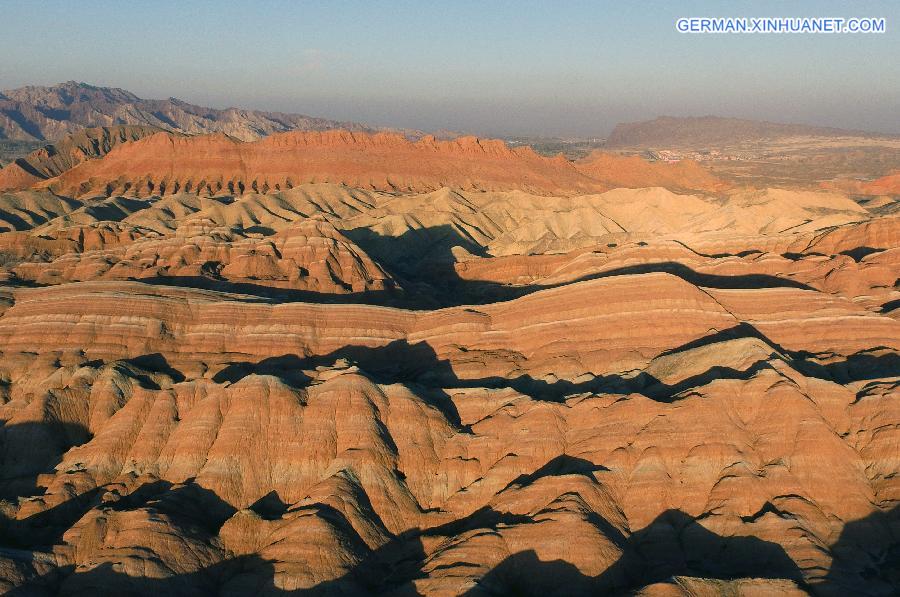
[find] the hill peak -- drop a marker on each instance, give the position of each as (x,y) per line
(49,113)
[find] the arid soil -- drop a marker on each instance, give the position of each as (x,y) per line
(348,364)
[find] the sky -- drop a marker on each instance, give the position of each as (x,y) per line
(563,68)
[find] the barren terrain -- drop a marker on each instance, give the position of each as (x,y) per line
(354,364)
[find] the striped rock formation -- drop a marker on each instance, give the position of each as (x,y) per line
(510,386)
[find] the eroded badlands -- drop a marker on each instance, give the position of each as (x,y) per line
(442,380)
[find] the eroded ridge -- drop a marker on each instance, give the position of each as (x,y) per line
(366,391)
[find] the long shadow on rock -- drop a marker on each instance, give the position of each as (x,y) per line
(674,544)
(397,362)
(525,574)
(117,209)
(400,560)
(643,383)
(425,255)
(866,557)
(17,222)
(422,261)
(288,368)
(245,575)
(741,330)
(418,366)
(186,503)
(157,363)
(28,450)
(745,281)
(561,465)
(860,366)
(864,366)
(46,528)
(418,252)
(197,512)
(270,506)
(194,508)
(860,253)
(273,294)
(390,568)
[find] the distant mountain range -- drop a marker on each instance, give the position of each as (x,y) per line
(36,113)
(714,131)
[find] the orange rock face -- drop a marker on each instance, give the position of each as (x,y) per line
(164,164)
(214,164)
(345,389)
(886,185)
(73,149)
(634,172)
(309,256)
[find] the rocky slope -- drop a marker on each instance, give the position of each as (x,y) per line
(52,160)
(347,391)
(50,113)
(420,236)
(885,185)
(220,164)
(213,164)
(633,172)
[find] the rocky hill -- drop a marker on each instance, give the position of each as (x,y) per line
(210,164)
(167,163)
(50,113)
(337,363)
(54,159)
(634,172)
(713,131)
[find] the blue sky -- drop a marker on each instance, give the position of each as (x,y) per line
(568,68)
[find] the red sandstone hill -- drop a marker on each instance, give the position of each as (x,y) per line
(634,172)
(53,160)
(886,185)
(164,164)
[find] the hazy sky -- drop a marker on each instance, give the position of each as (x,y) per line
(572,68)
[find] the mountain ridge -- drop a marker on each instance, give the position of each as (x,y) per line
(666,131)
(381,161)
(53,159)
(164,163)
(48,113)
